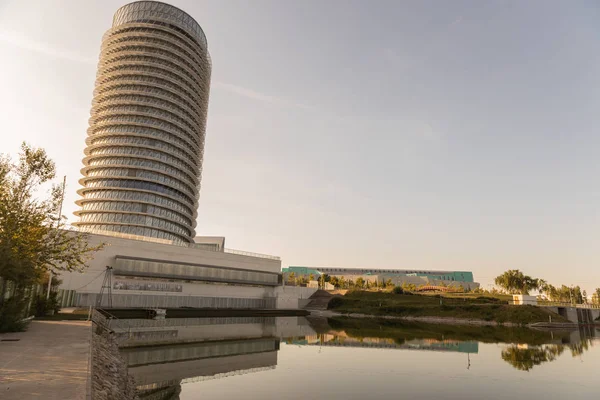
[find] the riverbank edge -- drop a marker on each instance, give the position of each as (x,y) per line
(146,313)
(450,320)
(109,376)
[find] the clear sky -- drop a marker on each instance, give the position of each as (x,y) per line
(406,134)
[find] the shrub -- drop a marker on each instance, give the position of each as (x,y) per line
(398,290)
(335,302)
(12,313)
(43,306)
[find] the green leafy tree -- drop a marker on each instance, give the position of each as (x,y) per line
(515,282)
(292,278)
(564,294)
(543,286)
(360,283)
(311,277)
(397,290)
(334,281)
(33,240)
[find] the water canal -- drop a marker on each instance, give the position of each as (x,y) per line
(299,358)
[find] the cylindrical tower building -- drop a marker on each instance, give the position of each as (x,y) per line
(143,159)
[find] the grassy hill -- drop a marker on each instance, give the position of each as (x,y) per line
(412,305)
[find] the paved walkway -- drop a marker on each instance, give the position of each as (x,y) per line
(50,361)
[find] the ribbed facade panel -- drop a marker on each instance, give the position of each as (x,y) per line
(143,160)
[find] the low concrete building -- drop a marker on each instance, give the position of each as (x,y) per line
(317,285)
(149,274)
(521,299)
(398,277)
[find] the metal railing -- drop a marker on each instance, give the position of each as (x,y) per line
(567,304)
(250,254)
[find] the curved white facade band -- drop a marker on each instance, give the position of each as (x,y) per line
(143,160)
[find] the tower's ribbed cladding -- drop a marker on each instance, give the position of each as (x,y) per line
(143,159)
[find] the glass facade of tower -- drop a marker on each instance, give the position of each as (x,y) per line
(143,159)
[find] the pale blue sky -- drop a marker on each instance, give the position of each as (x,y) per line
(406,134)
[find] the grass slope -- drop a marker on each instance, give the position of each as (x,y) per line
(482,308)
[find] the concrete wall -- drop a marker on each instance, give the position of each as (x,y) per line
(577,315)
(137,248)
(168,301)
(192,294)
(521,299)
(291,297)
(203,289)
(206,295)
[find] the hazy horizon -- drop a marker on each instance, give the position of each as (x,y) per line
(411,135)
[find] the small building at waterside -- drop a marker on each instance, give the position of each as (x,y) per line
(398,277)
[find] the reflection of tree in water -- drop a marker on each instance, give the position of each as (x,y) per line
(578,349)
(525,358)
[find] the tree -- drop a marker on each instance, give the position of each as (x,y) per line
(389,284)
(292,278)
(360,282)
(334,281)
(596,297)
(564,294)
(515,282)
(543,286)
(311,277)
(33,240)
